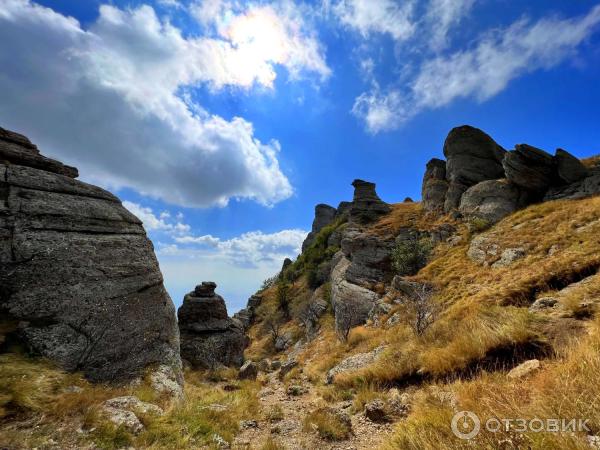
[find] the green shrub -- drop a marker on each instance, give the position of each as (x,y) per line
(410,255)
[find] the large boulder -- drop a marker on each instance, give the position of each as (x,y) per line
(492,200)
(472,156)
(324,215)
(354,363)
(78,273)
(435,186)
(209,338)
(370,256)
(366,206)
(530,168)
(569,168)
(351,303)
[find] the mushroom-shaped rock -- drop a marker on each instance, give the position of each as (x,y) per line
(208,336)
(366,206)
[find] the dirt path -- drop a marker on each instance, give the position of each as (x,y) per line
(287,414)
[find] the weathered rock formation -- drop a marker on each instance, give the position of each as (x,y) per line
(324,215)
(484,181)
(246,316)
(369,256)
(492,200)
(435,186)
(351,303)
(472,156)
(77,272)
(209,337)
(530,168)
(366,206)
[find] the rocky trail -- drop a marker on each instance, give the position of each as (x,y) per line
(282,420)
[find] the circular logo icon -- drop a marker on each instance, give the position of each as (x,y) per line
(465,425)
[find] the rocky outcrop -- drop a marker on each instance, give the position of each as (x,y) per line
(472,156)
(366,206)
(584,188)
(569,168)
(369,255)
(530,168)
(246,315)
(492,200)
(78,272)
(485,181)
(351,303)
(324,215)
(208,336)
(435,186)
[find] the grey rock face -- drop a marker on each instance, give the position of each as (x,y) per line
(492,200)
(324,215)
(248,371)
(435,186)
(354,362)
(370,256)
(366,207)
(78,272)
(351,303)
(472,156)
(343,209)
(569,168)
(530,168)
(584,188)
(208,336)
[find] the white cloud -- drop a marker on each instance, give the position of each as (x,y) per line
(116,100)
(157,223)
(479,72)
(441,16)
(238,265)
(248,249)
(380,112)
(377,16)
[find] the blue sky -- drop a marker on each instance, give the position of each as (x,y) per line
(221,123)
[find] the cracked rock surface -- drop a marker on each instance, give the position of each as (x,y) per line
(77,272)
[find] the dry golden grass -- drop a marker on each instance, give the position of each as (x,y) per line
(564,389)
(33,391)
(327,424)
(592,161)
(408,215)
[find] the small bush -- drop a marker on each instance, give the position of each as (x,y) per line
(477,224)
(410,255)
(329,423)
(274,414)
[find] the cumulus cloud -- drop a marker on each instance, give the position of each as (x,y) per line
(377,16)
(479,72)
(248,249)
(116,99)
(238,265)
(162,222)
